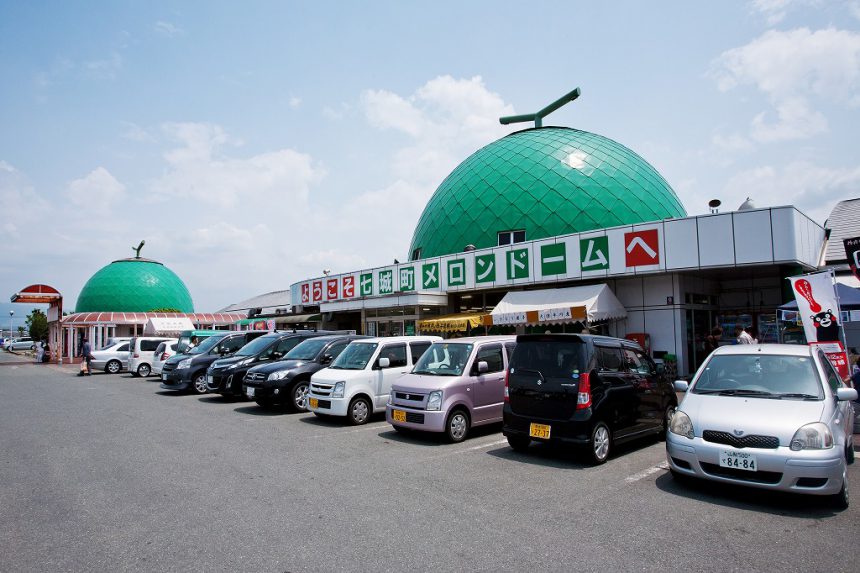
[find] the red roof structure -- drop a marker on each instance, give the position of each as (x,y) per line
(129,318)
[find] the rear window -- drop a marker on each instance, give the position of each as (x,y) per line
(149,344)
(553,359)
(760,375)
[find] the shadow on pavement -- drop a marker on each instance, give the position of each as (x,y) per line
(337,421)
(749,498)
(255,410)
(565,456)
(434,439)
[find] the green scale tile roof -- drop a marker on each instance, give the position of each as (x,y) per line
(549,181)
(134,285)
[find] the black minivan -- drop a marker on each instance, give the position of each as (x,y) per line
(590,391)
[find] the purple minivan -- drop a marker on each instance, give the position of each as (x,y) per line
(457,384)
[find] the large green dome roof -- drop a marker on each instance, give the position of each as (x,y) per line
(134,285)
(547,181)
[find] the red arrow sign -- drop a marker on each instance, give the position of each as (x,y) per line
(642,248)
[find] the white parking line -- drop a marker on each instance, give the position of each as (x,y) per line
(338,432)
(645,473)
(491,444)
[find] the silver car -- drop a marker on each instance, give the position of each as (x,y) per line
(24,343)
(770,416)
(111,358)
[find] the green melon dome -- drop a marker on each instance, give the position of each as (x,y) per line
(547,181)
(134,285)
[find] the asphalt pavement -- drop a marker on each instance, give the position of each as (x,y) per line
(108,473)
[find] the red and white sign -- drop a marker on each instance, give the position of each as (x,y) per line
(642,248)
(306,293)
(837,356)
(317,290)
(817,305)
(331,289)
(349,286)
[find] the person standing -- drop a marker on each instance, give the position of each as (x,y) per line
(742,336)
(86,354)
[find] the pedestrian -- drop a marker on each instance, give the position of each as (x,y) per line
(86,354)
(46,351)
(40,351)
(742,336)
(855,375)
(712,341)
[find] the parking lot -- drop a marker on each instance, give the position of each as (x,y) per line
(109,473)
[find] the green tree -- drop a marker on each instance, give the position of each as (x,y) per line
(20,331)
(37,323)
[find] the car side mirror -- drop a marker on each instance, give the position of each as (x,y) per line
(326,359)
(483,366)
(681,386)
(383,362)
(846,394)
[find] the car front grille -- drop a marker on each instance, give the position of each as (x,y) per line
(255,376)
(168,367)
(414,418)
(757,477)
(751,441)
(321,389)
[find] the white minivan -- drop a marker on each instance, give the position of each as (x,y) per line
(359,380)
(140,349)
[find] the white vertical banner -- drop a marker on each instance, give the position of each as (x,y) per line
(818,306)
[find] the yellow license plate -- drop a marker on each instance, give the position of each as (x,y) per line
(539,431)
(398,415)
(314,403)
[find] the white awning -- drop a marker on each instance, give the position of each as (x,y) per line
(592,303)
(162,325)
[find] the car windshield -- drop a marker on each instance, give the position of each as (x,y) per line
(206,345)
(258,345)
(444,359)
(760,376)
(355,356)
(307,350)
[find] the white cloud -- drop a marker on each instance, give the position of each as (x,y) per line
(794,69)
(732,143)
(106,68)
(295,102)
(814,189)
(134,132)
(168,29)
(97,192)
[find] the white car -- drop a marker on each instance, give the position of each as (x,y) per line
(164,351)
(769,416)
(24,343)
(140,349)
(359,380)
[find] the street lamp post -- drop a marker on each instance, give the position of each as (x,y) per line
(11,314)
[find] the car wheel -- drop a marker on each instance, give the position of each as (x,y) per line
(519,443)
(840,500)
(667,419)
(299,397)
(113,366)
(143,370)
(359,411)
(33,347)
(600,443)
(200,384)
(457,426)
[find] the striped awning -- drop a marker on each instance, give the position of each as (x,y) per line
(451,322)
(130,318)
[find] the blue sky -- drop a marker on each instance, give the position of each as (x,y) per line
(254,144)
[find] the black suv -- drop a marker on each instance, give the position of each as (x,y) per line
(188,371)
(225,376)
(285,382)
(591,391)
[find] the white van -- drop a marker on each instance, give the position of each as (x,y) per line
(140,349)
(359,380)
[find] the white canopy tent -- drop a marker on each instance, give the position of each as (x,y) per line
(157,325)
(591,303)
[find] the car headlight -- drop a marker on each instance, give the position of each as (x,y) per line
(681,425)
(815,436)
(434,401)
(279,375)
(183,364)
(337,391)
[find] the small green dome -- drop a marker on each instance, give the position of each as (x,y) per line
(547,181)
(134,285)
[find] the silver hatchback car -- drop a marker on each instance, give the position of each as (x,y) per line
(770,416)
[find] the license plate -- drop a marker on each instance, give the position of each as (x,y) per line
(738,460)
(539,431)
(164,376)
(398,415)
(249,392)
(313,402)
